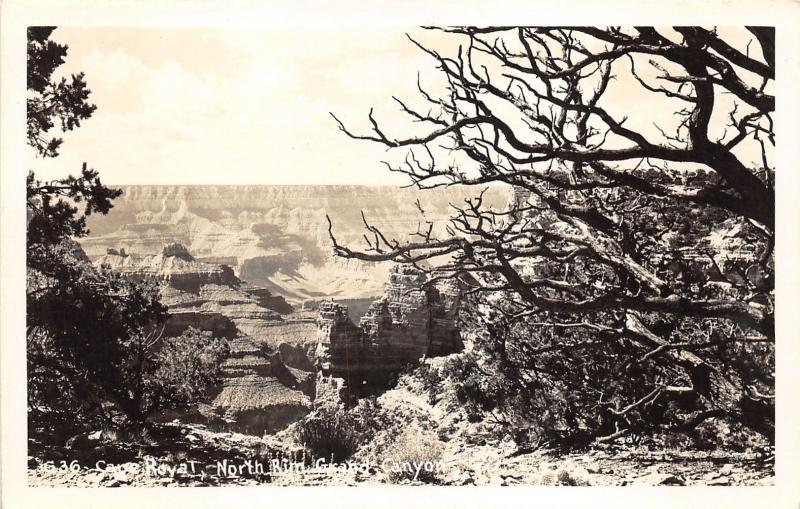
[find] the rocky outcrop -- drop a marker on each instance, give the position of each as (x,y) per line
(173,265)
(202,295)
(410,322)
(260,392)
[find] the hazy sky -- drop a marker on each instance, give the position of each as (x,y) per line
(251,106)
(227,106)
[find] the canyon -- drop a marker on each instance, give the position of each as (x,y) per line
(276,237)
(281,360)
(260,392)
(255,265)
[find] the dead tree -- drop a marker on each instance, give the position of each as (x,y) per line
(658,239)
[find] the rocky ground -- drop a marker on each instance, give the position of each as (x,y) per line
(462,452)
(198,457)
(468,453)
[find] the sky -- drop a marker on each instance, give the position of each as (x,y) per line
(233,106)
(246,106)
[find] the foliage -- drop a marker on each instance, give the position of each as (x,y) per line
(330,433)
(629,286)
(79,320)
(49,101)
(335,432)
(185,367)
(171,373)
(414,455)
(94,348)
(53,213)
(565,387)
(52,219)
(717,434)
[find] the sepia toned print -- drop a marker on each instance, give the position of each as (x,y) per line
(528,256)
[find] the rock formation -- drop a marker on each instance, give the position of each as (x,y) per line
(276,239)
(409,322)
(203,295)
(274,236)
(260,393)
(173,264)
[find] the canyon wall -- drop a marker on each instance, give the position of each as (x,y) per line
(281,362)
(276,237)
(260,393)
(409,322)
(230,257)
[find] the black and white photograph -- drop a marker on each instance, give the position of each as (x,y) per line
(463,255)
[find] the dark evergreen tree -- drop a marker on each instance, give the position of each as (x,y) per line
(94,349)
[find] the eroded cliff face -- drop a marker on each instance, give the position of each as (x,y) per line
(260,393)
(172,264)
(198,294)
(275,236)
(409,322)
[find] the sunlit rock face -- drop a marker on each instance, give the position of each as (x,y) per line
(260,393)
(409,322)
(173,264)
(198,294)
(276,237)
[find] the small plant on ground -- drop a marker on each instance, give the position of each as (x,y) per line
(329,433)
(565,474)
(415,456)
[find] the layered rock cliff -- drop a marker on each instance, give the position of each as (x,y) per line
(275,236)
(172,264)
(260,393)
(203,295)
(409,322)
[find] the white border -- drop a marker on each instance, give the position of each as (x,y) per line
(15,15)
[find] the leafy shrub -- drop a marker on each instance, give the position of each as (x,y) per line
(415,456)
(329,433)
(476,392)
(431,379)
(731,436)
(565,387)
(184,368)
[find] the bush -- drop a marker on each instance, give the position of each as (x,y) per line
(476,392)
(431,380)
(185,368)
(329,433)
(729,436)
(415,456)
